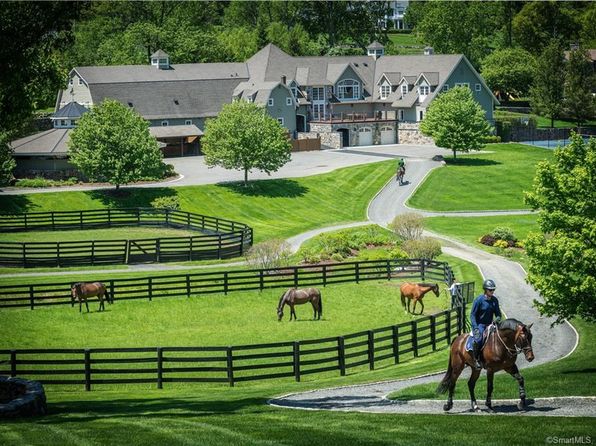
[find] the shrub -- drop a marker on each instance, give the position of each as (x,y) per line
(503,233)
(398,253)
(423,248)
(171,202)
(487,240)
(501,244)
(337,257)
(408,226)
(269,254)
(492,139)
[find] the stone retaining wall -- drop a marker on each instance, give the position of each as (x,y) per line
(21,398)
(409,133)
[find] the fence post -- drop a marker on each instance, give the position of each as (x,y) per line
(150,288)
(188,285)
(109,217)
(371,350)
(230,366)
(448,326)
(13,363)
(415,338)
(219,246)
(423,269)
(53,222)
(188,220)
(159,368)
(24,255)
(26,221)
(92,252)
(138,217)
(112,291)
(58,253)
(341,355)
(433,333)
(295,277)
(388,269)
(225,282)
(261,280)
(167,217)
(81,219)
(324,275)
(395,336)
(31,297)
(357,272)
(297,360)
(87,369)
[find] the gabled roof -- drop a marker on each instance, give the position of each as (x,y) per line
(71,110)
(407,101)
(159,54)
(432,78)
(393,78)
(375,46)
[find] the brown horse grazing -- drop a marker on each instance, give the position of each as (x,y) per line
(500,350)
(83,290)
(415,292)
(295,296)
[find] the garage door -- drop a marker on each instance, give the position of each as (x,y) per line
(387,135)
(365,136)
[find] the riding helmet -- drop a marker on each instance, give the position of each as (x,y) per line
(489,284)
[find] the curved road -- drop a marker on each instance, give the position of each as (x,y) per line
(515,296)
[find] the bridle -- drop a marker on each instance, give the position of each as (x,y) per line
(518,349)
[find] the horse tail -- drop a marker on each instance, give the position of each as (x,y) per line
(446,382)
(403,300)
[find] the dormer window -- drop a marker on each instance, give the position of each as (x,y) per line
(424,90)
(385,91)
(404,89)
(348,89)
(164,123)
(71,82)
(80,81)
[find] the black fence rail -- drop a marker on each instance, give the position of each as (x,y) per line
(59,293)
(293,359)
(218,238)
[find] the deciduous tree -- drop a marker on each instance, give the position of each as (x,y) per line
(7,162)
(509,71)
(112,143)
(245,137)
(563,255)
(546,95)
(456,121)
(580,80)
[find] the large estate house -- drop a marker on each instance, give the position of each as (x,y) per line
(344,100)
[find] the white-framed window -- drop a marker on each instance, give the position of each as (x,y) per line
(80,81)
(63,123)
(348,89)
(446,87)
(270,102)
(462,84)
(318,111)
(404,89)
(164,123)
(154,61)
(281,121)
(188,122)
(478,87)
(73,122)
(424,90)
(385,91)
(163,61)
(288,101)
(421,115)
(71,82)
(294,91)
(318,94)
(401,115)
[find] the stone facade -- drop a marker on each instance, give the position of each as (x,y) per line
(331,132)
(409,133)
(330,139)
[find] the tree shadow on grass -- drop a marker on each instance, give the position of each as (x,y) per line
(267,188)
(147,407)
(14,204)
(130,197)
(470,162)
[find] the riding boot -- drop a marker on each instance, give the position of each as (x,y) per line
(476,355)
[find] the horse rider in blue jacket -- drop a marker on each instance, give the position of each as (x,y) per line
(484,308)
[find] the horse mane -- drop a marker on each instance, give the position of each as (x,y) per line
(282,297)
(427,284)
(509,324)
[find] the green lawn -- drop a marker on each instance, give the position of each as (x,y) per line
(124,233)
(541,121)
(469,229)
(273,208)
(492,180)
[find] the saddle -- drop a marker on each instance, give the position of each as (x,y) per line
(470,341)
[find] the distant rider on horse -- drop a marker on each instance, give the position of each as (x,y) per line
(484,308)
(401,170)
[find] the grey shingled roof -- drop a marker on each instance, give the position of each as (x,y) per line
(49,142)
(160,53)
(393,78)
(157,100)
(375,46)
(71,110)
(407,101)
(173,131)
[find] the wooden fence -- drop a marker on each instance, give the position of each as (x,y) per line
(159,365)
(26,295)
(219,238)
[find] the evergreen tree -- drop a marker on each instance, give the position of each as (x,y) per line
(580,103)
(546,95)
(7,162)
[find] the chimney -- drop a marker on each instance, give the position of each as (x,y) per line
(283,79)
(429,51)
